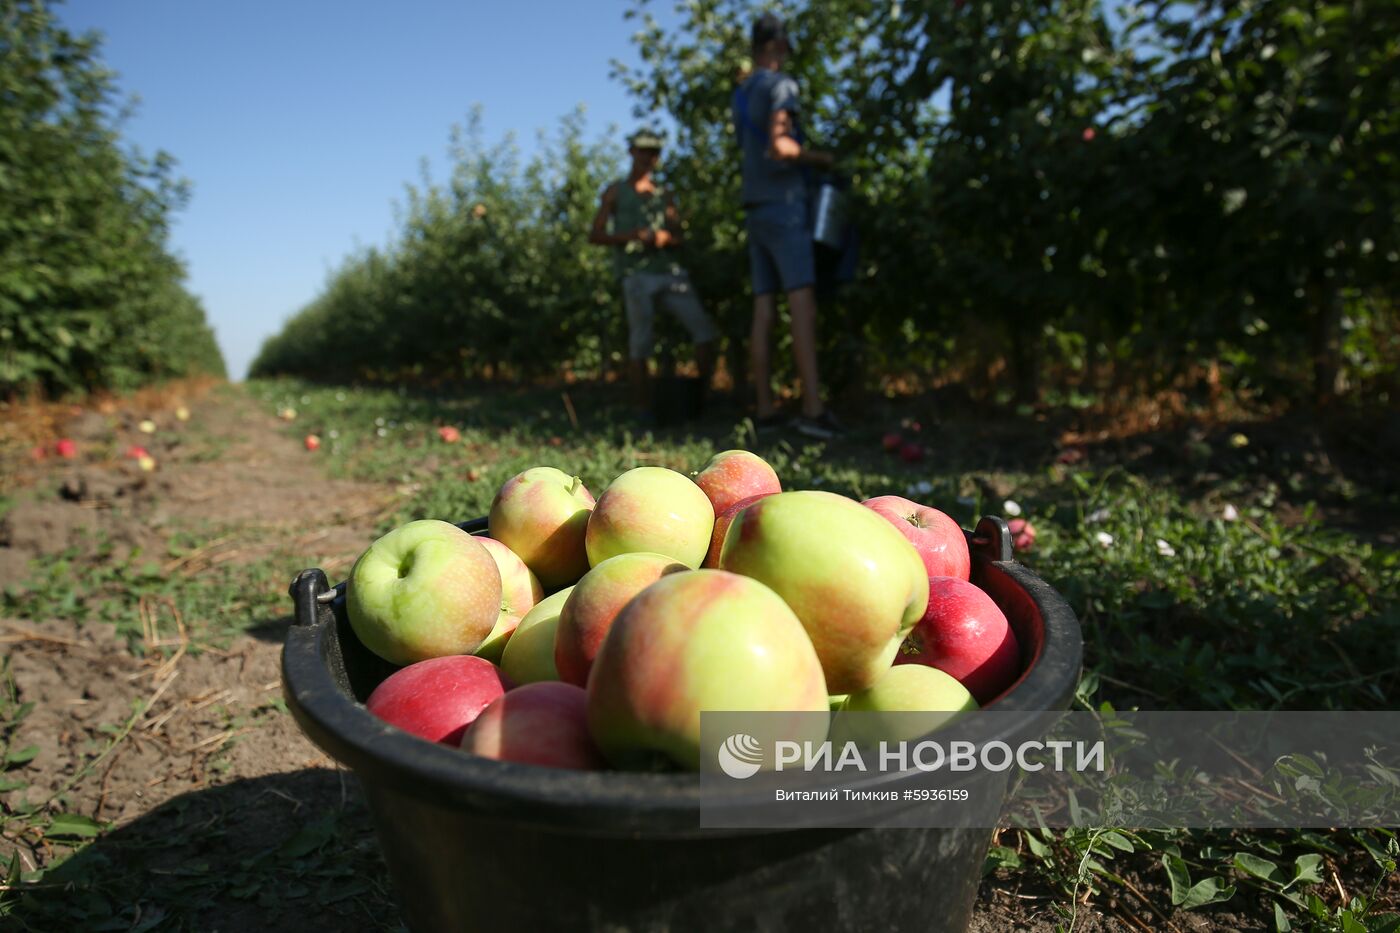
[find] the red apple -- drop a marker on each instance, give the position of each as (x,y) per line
(1089,134)
(1022,534)
(66,449)
(912,453)
(965,634)
(449,434)
(136,452)
(595,602)
(941,544)
(437,699)
(695,641)
(543,724)
(722,522)
(892,442)
(734,475)
(312,442)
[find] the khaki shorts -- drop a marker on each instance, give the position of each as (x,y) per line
(643,291)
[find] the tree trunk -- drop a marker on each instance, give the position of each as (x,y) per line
(1326,341)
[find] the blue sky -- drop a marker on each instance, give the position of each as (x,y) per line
(299,123)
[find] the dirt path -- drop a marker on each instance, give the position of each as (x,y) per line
(184,747)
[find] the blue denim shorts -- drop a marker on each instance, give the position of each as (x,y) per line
(780,247)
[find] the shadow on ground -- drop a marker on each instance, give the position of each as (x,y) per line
(291,852)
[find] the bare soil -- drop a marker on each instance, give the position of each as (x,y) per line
(212,734)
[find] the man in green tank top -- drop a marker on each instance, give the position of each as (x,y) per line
(641,220)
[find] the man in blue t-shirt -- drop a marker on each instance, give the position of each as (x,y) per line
(767,120)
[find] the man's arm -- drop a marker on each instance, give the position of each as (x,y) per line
(784,148)
(671,235)
(599,232)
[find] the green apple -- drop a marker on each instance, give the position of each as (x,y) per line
(904,690)
(651,509)
(694,641)
(424,590)
(529,655)
(856,583)
(520,590)
(595,603)
(541,515)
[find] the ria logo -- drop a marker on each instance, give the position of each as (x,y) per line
(740,756)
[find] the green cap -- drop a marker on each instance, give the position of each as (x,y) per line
(645,139)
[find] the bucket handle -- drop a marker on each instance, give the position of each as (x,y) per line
(991,540)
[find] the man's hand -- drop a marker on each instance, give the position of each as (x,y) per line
(657,239)
(784,148)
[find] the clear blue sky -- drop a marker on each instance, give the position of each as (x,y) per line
(299,123)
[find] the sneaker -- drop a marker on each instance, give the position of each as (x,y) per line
(823,427)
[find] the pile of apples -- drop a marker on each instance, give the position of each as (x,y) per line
(592,634)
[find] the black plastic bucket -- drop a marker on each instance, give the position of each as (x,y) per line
(477,844)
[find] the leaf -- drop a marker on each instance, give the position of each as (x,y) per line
(1189,896)
(1258,867)
(1118,841)
(73,824)
(309,838)
(1281,923)
(1305,870)
(1000,857)
(1210,890)
(1179,876)
(23,755)
(1038,848)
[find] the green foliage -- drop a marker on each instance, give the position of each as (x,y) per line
(90,296)
(1168,183)
(1125,192)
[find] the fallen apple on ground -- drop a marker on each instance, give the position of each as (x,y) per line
(651,509)
(966,635)
(1022,534)
(438,698)
(939,539)
(543,724)
(312,442)
(424,590)
(695,641)
(856,583)
(66,449)
(542,515)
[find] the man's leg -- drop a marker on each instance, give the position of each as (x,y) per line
(637,378)
(705,362)
(802,304)
(638,300)
(765,309)
(682,301)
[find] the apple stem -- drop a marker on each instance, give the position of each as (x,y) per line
(573,487)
